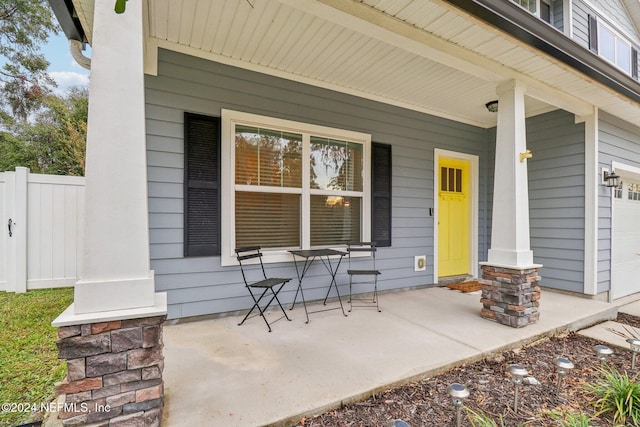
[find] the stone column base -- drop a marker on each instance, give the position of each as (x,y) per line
(510,296)
(114,373)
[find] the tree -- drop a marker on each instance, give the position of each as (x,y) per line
(53,141)
(24,27)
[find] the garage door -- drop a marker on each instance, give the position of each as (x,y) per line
(625,250)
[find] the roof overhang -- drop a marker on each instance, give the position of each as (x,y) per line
(68,19)
(520,24)
(439,57)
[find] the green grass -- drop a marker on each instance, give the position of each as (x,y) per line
(570,419)
(29,365)
(480,419)
(618,394)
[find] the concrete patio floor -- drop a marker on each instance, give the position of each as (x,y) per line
(220,374)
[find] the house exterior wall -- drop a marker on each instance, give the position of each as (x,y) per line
(198,286)
(618,141)
(580,22)
(556,198)
(616,14)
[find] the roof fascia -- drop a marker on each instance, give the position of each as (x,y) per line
(528,29)
(68,20)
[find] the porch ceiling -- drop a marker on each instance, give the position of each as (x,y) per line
(425,55)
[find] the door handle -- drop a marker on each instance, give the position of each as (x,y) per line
(10,225)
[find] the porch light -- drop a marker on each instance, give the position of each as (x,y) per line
(564,365)
(517,376)
(634,343)
(458,393)
(610,179)
(602,352)
(492,106)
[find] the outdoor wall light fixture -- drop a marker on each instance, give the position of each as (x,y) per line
(634,343)
(602,352)
(564,365)
(492,106)
(610,179)
(458,393)
(517,376)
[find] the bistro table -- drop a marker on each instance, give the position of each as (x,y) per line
(310,255)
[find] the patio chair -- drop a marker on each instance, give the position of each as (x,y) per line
(264,284)
(369,275)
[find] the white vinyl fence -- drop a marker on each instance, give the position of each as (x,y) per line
(40,240)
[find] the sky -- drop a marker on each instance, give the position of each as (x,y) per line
(63,68)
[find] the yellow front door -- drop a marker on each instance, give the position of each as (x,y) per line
(453,217)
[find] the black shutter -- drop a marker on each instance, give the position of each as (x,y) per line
(201,185)
(381,194)
(593,33)
(634,63)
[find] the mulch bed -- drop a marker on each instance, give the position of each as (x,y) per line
(426,403)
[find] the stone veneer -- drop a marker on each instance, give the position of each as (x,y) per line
(510,296)
(114,373)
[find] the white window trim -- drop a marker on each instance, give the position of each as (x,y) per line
(537,12)
(619,27)
(229,119)
(618,35)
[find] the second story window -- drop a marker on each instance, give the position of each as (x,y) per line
(540,8)
(612,46)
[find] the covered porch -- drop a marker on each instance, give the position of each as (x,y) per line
(218,373)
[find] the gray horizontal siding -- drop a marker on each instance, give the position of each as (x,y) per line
(580,22)
(198,286)
(617,16)
(556,198)
(612,12)
(618,141)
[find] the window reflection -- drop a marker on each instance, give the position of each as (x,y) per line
(268,157)
(335,165)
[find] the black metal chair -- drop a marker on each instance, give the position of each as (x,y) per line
(370,274)
(273,284)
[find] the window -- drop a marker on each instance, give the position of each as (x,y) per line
(633,191)
(530,5)
(617,192)
(290,185)
(539,8)
(612,46)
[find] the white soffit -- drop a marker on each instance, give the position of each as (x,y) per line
(84,8)
(417,54)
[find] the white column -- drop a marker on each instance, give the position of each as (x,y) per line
(116,271)
(510,224)
(591,186)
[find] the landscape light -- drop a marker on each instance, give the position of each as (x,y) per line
(517,376)
(634,343)
(564,365)
(602,352)
(458,393)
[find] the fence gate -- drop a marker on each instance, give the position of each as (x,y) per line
(40,240)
